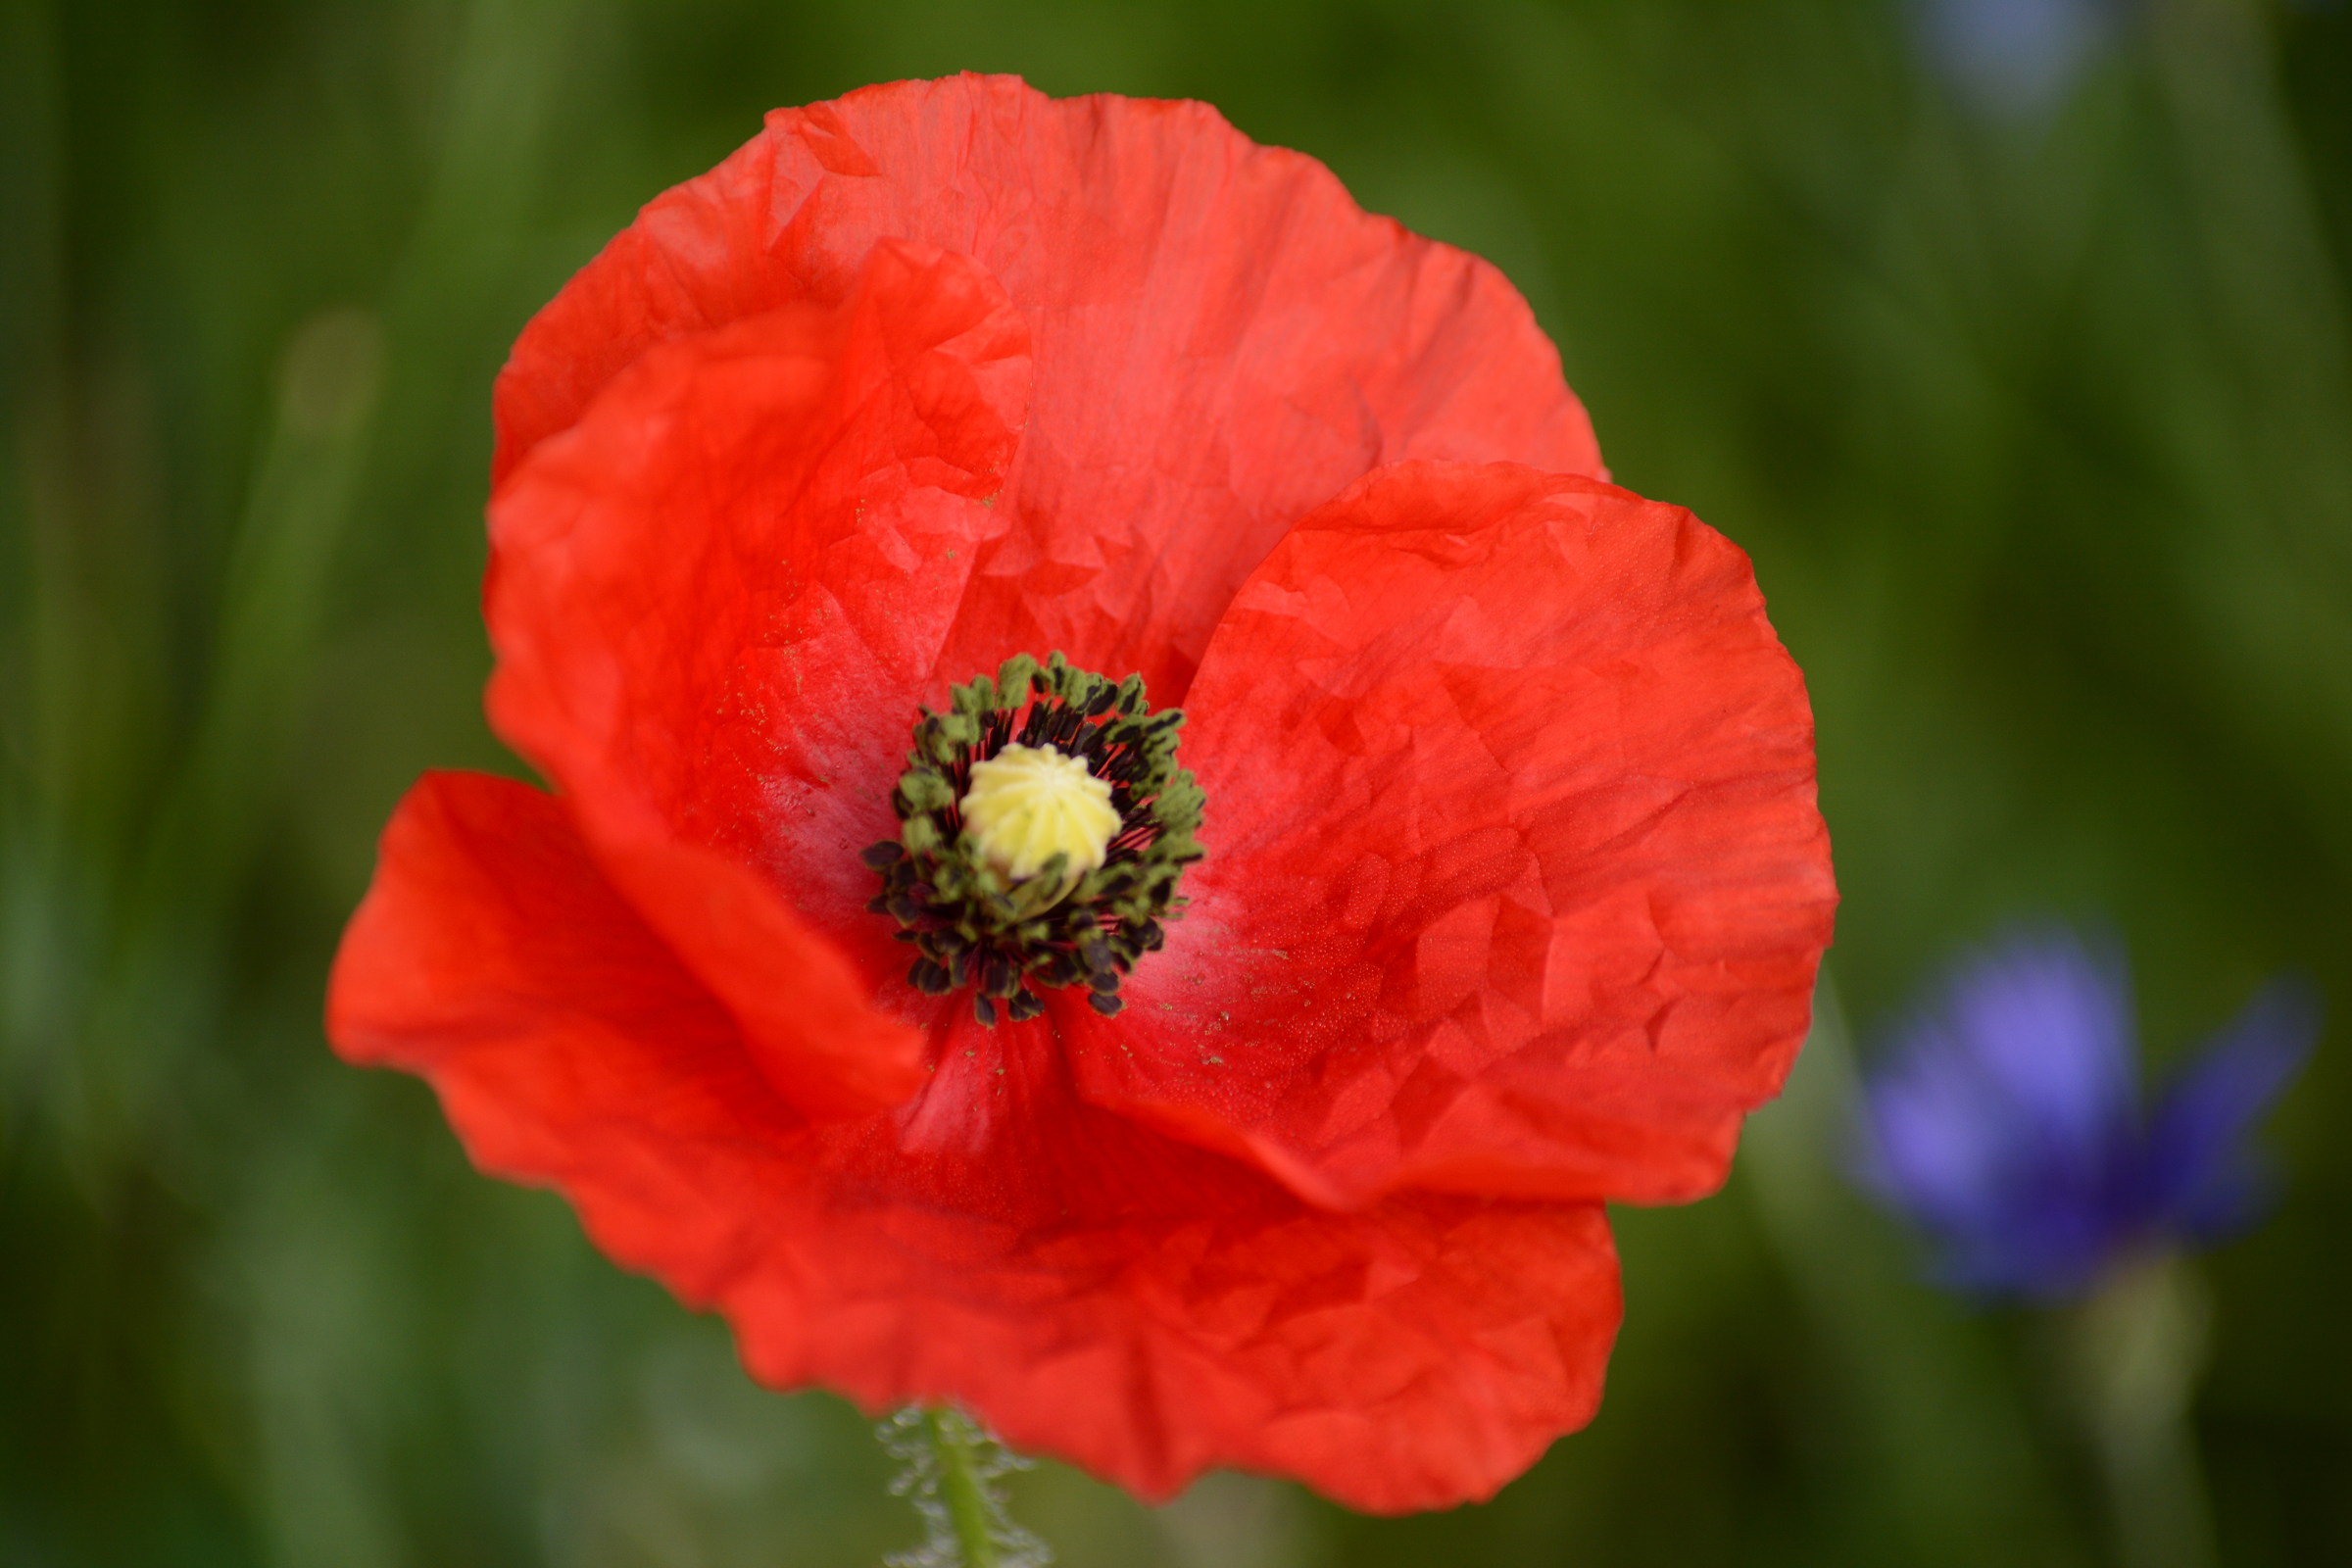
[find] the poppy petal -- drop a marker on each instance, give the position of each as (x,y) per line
(492,957)
(1132,1304)
(1514,878)
(704,593)
(1223,338)
(1148,1310)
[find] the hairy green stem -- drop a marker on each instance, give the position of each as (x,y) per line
(961,1488)
(952,1468)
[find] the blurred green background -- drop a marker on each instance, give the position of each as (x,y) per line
(2014,350)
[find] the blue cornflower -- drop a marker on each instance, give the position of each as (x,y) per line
(2007,1123)
(2016,56)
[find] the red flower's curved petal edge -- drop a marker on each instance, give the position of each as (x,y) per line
(1092,1289)
(1516,882)
(704,592)
(487,925)
(1223,338)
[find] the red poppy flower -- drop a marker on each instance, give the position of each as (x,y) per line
(1513,886)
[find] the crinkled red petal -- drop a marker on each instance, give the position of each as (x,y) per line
(1516,882)
(1223,339)
(1092,1289)
(717,600)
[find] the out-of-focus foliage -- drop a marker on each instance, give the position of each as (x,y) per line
(2033,403)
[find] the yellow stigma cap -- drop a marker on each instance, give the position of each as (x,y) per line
(1028,804)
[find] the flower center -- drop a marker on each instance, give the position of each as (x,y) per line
(1031,804)
(1044,828)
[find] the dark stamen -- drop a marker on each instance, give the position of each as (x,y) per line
(970,923)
